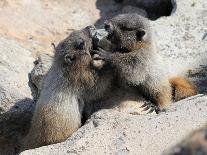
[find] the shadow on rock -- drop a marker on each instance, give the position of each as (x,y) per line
(14,125)
(152,9)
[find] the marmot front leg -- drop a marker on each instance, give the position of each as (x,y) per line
(103,55)
(159,93)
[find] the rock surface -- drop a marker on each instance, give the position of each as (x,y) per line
(181,37)
(38,23)
(195,143)
(41,67)
(111,132)
(15,63)
(15,95)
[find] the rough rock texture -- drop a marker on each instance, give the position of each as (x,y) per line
(182,39)
(15,95)
(14,125)
(15,63)
(194,144)
(111,132)
(42,65)
(38,23)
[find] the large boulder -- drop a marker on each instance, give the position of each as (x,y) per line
(194,143)
(112,132)
(41,67)
(15,95)
(37,23)
(15,63)
(181,37)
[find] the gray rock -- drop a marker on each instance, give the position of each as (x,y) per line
(15,96)
(180,39)
(112,132)
(15,63)
(195,143)
(42,65)
(14,125)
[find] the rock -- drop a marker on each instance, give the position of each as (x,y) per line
(15,95)
(14,125)
(195,143)
(154,8)
(37,23)
(42,65)
(179,39)
(112,132)
(15,63)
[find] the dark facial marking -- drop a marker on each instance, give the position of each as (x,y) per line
(69,58)
(108,26)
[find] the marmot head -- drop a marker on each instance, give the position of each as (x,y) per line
(128,32)
(75,49)
(72,57)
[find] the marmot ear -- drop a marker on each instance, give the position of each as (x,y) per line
(108,25)
(54,47)
(140,34)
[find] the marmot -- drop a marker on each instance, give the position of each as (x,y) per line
(135,59)
(71,82)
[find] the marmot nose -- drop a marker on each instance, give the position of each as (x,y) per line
(69,58)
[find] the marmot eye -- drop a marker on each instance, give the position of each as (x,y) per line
(140,34)
(108,25)
(109,36)
(69,58)
(81,45)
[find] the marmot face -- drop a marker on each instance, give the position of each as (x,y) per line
(72,56)
(128,32)
(74,50)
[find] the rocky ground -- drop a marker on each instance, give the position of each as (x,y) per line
(27,29)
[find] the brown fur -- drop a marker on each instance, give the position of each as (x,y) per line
(182,88)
